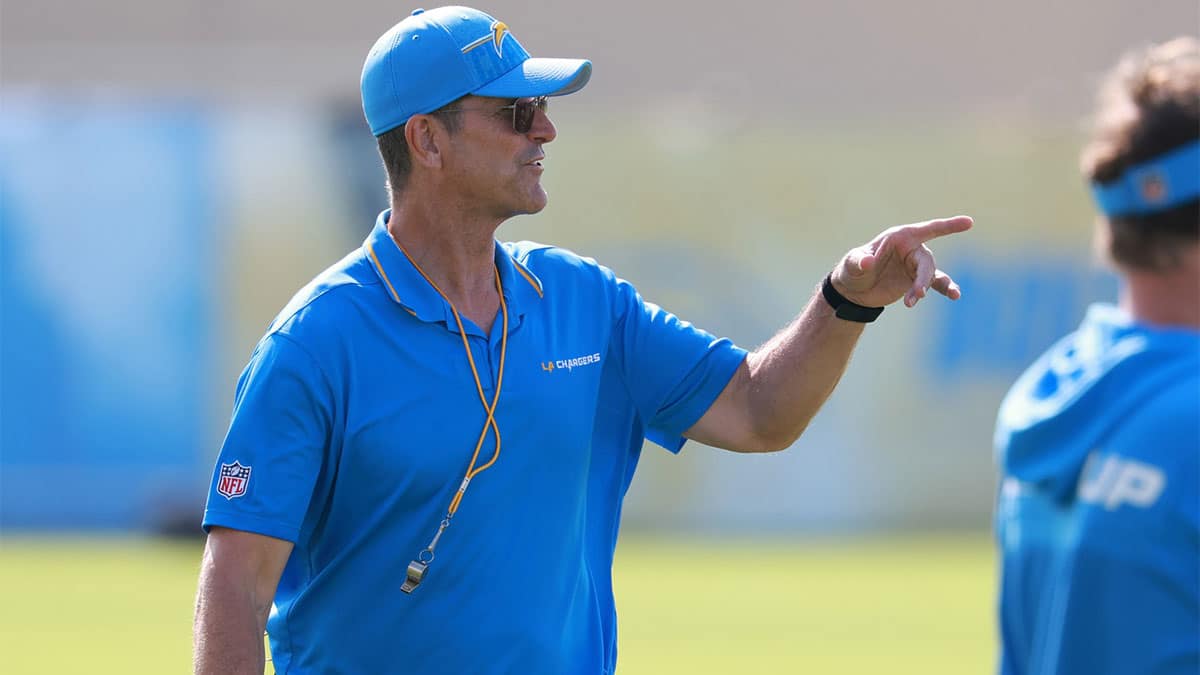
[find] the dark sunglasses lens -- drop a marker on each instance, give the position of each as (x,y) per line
(524,110)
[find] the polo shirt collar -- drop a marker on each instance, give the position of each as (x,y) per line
(408,288)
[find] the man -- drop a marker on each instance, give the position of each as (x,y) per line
(1098,520)
(430,446)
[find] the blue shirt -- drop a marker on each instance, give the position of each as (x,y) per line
(1098,517)
(355,421)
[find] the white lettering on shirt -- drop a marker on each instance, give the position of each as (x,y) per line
(1111,480)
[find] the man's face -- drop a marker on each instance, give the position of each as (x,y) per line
(494,167)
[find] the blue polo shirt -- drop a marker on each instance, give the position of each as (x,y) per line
(354,423)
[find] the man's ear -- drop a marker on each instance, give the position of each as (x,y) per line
(426,140)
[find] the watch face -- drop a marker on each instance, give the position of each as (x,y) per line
(843,308)
(852,312)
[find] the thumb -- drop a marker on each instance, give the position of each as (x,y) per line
(858,262)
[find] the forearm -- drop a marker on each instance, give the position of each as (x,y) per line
(794,372)
(773,396)
(228,631)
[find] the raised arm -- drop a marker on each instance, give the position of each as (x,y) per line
(778,389)
(237,586)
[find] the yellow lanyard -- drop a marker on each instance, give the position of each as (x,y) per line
(416,569)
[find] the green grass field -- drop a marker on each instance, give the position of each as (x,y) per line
(912,604)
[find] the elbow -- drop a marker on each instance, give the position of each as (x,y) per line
(779,443)
(776,438)
(768,446)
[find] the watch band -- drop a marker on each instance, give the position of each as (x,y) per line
(843,308)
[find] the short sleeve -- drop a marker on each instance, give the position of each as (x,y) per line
(276,444)
(674,371)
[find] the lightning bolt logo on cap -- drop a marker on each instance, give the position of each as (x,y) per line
(496,36)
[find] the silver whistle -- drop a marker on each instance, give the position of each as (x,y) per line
(416,572)
(416,568)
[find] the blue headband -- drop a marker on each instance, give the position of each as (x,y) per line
(1162,183)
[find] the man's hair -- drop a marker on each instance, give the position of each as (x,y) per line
(1148,106)
(393,148)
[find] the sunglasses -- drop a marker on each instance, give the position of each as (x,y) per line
(523,111)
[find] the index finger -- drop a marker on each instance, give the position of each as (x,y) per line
(932,229)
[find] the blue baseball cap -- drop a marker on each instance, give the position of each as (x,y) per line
(434,57)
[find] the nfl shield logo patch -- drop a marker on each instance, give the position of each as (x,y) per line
(1154,188)
(233,480)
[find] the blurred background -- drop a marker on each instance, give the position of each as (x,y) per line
(171,172)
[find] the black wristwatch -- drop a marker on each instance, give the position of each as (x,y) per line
(843,308)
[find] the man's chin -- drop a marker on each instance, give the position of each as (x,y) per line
(534,204)
(534,201)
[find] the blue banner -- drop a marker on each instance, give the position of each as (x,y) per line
(107,239)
